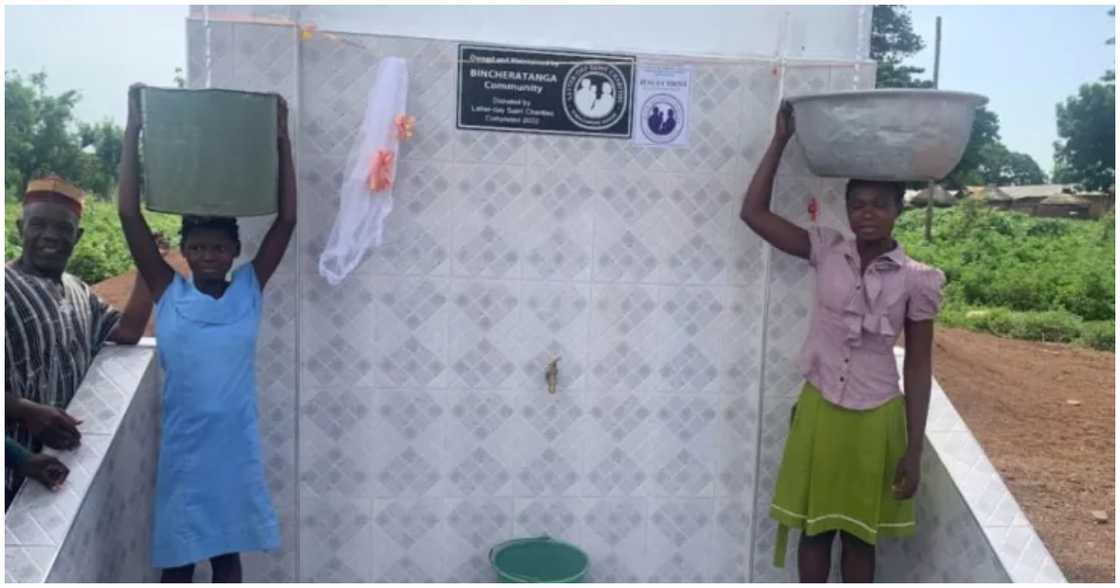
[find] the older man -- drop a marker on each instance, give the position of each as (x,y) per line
(55,323)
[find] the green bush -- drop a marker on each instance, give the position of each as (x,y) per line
(1055,326)
(102,252)
(1042,279)
(1099,335)
(1049,228)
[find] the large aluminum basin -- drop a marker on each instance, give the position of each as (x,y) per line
(899,135)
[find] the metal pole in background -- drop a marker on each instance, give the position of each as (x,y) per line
(932,185)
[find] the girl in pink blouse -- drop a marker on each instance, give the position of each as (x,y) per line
(852,460)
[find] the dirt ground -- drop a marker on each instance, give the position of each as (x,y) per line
(1057,457)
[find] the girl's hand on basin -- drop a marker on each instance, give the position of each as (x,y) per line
(784,127)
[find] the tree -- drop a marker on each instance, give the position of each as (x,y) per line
(103,142)
(1020,170)
(1003,167)
(42,137)
(984,138)
(893,40)
(1086,151)
(38,139)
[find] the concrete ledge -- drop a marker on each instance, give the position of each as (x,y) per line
(1021,553)
(97,527)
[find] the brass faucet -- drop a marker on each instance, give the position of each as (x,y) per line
(552,375)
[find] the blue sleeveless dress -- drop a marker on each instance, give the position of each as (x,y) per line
(211,494)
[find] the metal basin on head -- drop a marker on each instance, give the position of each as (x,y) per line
(895,135)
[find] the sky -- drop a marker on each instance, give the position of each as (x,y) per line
(1025,59)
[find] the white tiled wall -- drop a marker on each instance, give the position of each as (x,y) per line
(407,420)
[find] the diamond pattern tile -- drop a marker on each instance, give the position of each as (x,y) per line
(685,417)
(478,522)
(615,521)
(102,403)
(676,571)
(554,419)
(558,256)
(622,366)
(486,253)
(408,535)
(479,474)
(732,537)
(689,370)
(336,412)
(412,415)
(490,191)
(684,475)
(558,518)
(697,261)
(625,259)
(713,200)
(27,564)
(413,304)
(556,308)
(411,364)
(621,417)
(612,569)
(558,150)
(407,523)
(334,471)
(407,570)
(481,414)
(489,147)
(561,194)
(549,474)
(741,353)
(484,365)
(631,200)
(624,310)
(692,310)
(336,539)
(615,474)
(409,247)
(486,304)
(680,531)
(336,79)
(408,473)
(336,361)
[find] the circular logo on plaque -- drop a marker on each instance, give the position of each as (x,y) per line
(595,96)
(662,118)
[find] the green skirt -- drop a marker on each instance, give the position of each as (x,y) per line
(837,472)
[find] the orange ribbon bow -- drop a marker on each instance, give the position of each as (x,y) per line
(404,124)
(380,171)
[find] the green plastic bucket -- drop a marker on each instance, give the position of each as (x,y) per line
(539,560)
(209,152)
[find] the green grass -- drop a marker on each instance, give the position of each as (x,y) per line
(101,253)
(1018,276)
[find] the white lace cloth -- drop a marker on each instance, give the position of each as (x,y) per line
(361,211)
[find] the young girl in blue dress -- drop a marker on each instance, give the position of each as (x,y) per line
(212,500)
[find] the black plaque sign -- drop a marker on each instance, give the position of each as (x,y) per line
(553,92)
